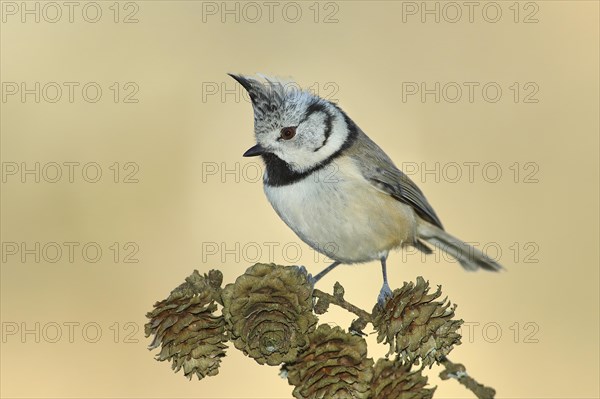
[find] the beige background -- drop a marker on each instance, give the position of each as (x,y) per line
(177,132)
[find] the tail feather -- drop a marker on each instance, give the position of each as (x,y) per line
(468,256)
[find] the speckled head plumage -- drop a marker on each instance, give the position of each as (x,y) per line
(318,128)
(269,100)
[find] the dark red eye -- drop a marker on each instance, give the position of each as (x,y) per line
(287,133)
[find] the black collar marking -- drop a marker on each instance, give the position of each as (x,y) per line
(279,173)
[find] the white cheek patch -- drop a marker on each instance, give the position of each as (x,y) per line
(316,148)
(313,131)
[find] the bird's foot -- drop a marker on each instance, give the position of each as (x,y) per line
(311,280)
(301,269)
(309,277)
(384,294)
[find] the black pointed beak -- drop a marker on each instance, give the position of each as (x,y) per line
(255,151)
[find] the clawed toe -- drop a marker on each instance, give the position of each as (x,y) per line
(311,280)
(384,294)
(309,277)
(301,269)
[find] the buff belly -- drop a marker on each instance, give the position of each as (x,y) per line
(343,216)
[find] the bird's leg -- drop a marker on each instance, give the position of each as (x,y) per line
(385,288)
(324,272)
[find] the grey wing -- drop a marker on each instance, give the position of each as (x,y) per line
(380,171)
(403,189)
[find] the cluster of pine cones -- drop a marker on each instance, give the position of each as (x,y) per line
(268,313)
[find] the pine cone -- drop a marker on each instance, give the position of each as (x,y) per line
(394,380)
(192,337)
(269,312)
(335,365)
(415,326)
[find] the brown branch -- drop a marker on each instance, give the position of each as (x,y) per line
(341,302)
(458,371)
